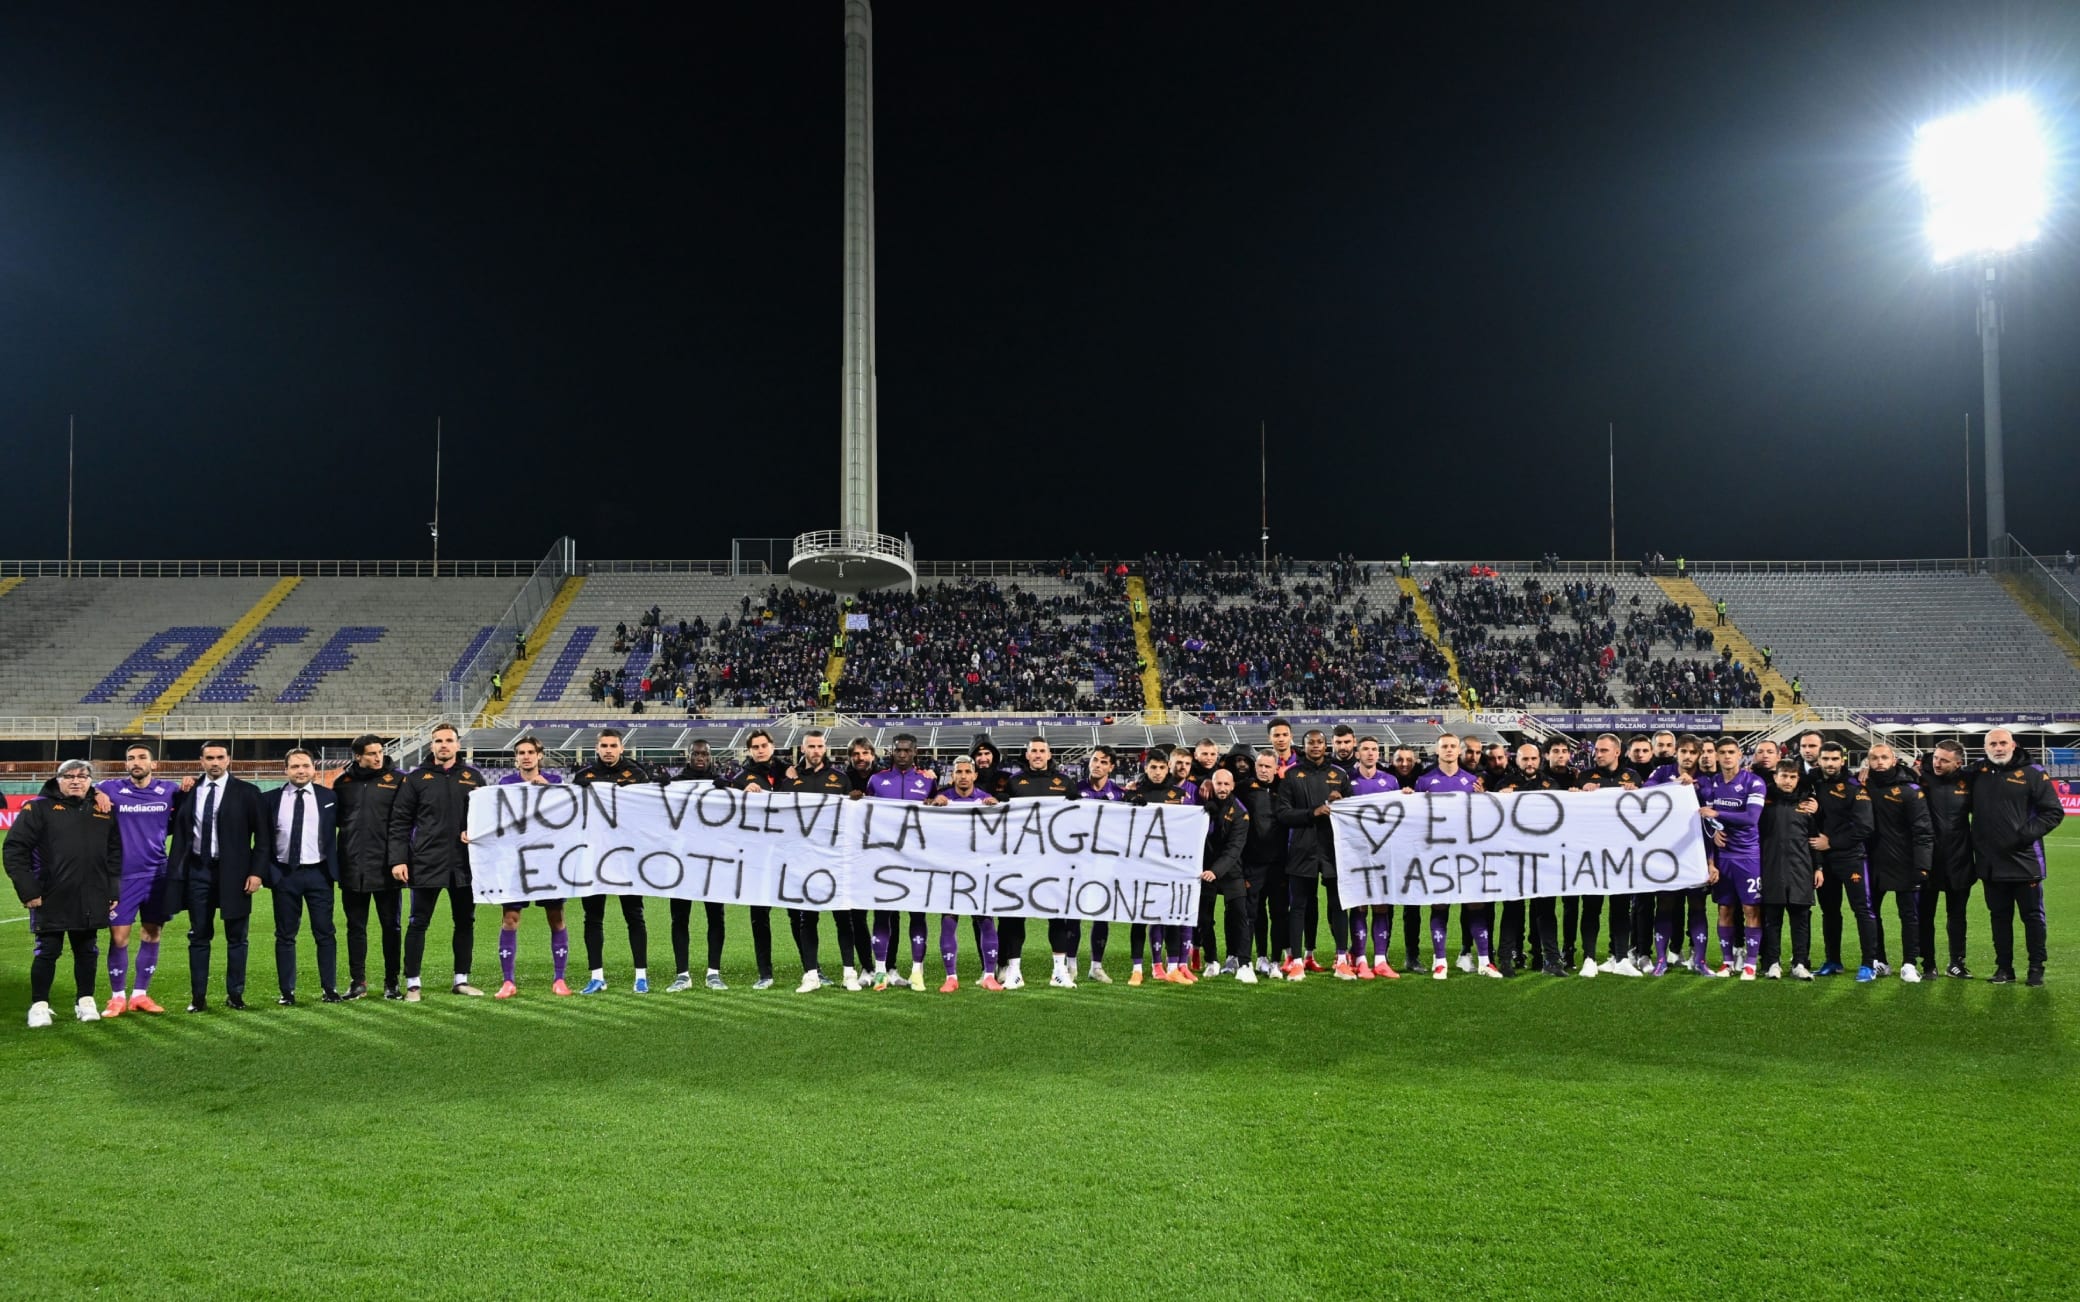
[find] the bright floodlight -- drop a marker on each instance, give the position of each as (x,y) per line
(1984,172)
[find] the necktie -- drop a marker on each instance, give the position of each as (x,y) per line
(206,837)
(295,856)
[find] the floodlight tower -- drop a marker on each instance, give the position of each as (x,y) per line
(1984,172)
(857,555)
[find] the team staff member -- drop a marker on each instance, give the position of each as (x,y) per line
(1529,775)
(700,768)
(1845,824)
(1607,770)
(1264,864)
(1301,805)
(429,851)
(2014,807)
(612,767)
(764,771)
(815,774)
(1788,875)
(1900,845)
(1040,780)
(366,790)
(1950,869)
(64,856)
(1227,838)
(214,859)
(300,862)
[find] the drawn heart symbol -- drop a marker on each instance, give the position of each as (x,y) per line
(1388,816)
(1634,808)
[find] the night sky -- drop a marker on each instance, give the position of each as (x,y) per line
(258,250)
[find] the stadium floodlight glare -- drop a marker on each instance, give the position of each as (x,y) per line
(1985,175)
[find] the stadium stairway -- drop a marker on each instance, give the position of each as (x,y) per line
(9,585)
(1426,619)
(1145,646)
(1685,592)
(834,668)
(206,664)
(537,642)
(2024,598)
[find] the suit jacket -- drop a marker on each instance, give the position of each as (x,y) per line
(325,810)
(238,821)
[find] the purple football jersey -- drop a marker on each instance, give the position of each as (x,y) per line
(143,814)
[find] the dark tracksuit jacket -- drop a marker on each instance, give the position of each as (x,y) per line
(1845,820)
(1787,851)
(1902,837)
(2014,807)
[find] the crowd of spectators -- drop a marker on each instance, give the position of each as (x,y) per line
(772,656)
(1171,576)
(973,645)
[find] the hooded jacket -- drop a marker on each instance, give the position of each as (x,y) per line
(1227,837)
(69,854)
(1902,838)
(1787,851)
(1845,820)
(1305,788)
(1949,804)
(365,798)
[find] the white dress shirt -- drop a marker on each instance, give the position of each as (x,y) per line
(206,838)
(285,818)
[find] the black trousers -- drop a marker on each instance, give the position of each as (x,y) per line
(1957,902)
(682,935)
(1062,935)
(855,938)
(389,921)
(1237,913)
(1646,907)
(43,967)
(1302,902)
(204,904)
(1509,936)
(2003,901)
(301,889)
(1545,930)
(1415,923)
(1202,930)
(461,910)
(1773,916)
(1583,918)
(804,923)
(1835,883)
(596,930)
(1907,905)
(1621,924)
(1011,938)
(1267,911)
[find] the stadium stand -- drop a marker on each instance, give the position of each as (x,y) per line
(1947,640)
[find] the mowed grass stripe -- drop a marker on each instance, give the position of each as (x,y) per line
(1533,1137)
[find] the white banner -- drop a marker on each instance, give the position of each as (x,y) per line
(1095,860)
(1470,847)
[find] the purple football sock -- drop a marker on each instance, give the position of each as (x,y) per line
(1382,934)
(508,942)
(880,942)
(1661,926)
(147,960)
(1697,935)
(1437,930)
(950,942)
(1752,948)
(1155,944)
(917,939)
(989,946)
(1726,943)
(118,968)
(560,950)
(1480,939)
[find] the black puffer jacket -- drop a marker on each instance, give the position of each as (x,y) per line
(1305,788)
(70,855)
(366,797)
(427,821)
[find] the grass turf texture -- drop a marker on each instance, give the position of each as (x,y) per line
(1468,1139)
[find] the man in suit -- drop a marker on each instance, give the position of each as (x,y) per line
(213,859)
(300,862)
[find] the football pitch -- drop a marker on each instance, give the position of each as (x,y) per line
(1532,1138)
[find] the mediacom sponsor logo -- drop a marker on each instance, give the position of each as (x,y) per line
(2068,797)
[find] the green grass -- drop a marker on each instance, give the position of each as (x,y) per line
(1534,1138)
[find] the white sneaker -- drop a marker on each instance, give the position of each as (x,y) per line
(1247,975)
(39,1015)
(1748,972)
(1490,970)
(1800,972)
(1263,966)
(1608,966)
(812,981)
(1881,969)
(1720,971)
(896,981)
(917,978)
(1466,962)
(851,981)
(1004,974)
(1439,970)
(86,1009)
(1099,975)
(1062,980)
(1589,968)
(1015,981)
(1909,974)
(1776,972)
(1623,967)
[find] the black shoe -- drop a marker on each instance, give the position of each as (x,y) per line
(1959,971)
(199,1006)
(236,1001)
(357,990)
(286,1001)
(1554,969)
(1567,960)
(392,992)
(332,997)
(2001,977)
(2035,977)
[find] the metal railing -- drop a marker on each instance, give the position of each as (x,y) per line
(2057,595)
(741,569)
(249,569)
(466,691)
(855,542)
